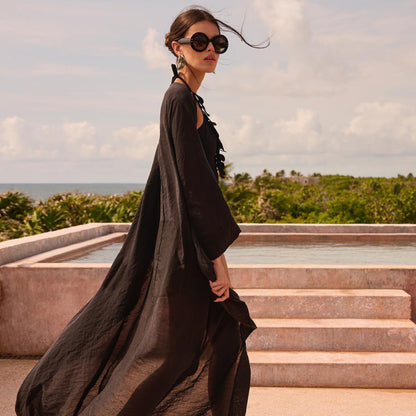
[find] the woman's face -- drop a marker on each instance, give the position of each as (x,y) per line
(205,61)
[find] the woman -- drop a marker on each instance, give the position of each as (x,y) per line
(165,333)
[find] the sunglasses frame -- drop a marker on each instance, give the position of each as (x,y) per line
(190,41)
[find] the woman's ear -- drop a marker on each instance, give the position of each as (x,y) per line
(176,47)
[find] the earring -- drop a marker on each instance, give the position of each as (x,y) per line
(180,61)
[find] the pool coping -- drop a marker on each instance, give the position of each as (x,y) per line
(71,251)
(20,250)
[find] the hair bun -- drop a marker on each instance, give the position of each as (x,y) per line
(167,39)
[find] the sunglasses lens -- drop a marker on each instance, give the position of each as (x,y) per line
(220,44)
(199,41)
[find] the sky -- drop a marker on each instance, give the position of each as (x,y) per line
(81,83)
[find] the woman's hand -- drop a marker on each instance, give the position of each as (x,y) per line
(222,285)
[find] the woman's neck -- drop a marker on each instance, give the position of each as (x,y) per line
(193,79)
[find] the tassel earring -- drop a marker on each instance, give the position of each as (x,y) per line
(180,61)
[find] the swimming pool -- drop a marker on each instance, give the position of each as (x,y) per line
(293,253)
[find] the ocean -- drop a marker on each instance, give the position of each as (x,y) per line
(42,191)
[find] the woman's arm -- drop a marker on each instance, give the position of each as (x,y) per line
(208,212)
(222,285)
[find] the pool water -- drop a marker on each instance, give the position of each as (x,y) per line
(293,253)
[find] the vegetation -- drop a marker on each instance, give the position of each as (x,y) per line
(328,199)
(266,198)
(21,216)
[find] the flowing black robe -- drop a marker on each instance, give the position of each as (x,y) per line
(151,341)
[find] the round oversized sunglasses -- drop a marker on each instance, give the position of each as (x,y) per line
(199,42)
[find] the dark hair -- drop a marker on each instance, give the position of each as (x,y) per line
(197,14)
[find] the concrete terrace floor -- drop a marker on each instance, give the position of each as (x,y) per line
(264,401)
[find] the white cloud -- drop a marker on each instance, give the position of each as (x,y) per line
(44,143)
(301,134)
(333,80)
(309,76)
(78,132)
(245,136)
(374,130)
(382,128)
(132,143)
(10,137)
(153,52)
(80,138)
(20,140)
(286,19)
(298,64)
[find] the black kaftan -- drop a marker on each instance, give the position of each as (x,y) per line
(151,341)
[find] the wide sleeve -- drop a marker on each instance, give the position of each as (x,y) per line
(207,209)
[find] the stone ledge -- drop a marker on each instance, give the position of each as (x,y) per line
(20,248)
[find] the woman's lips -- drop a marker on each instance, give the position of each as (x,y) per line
(210,58)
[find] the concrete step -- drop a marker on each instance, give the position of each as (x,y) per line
(333,335)
(289,228)
(327,303)
(247,238)
(274,276)
(333,369)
